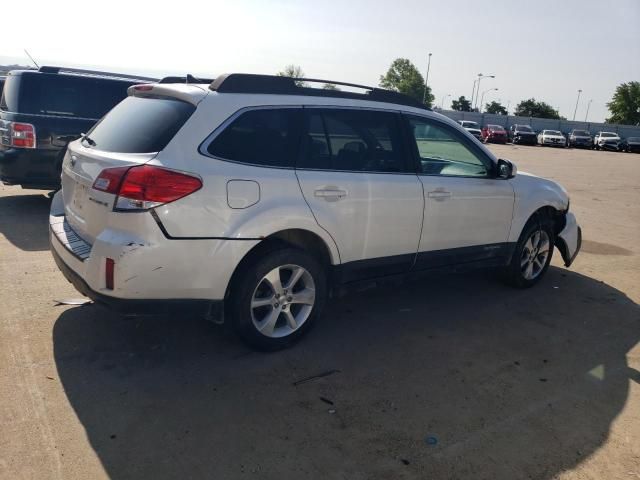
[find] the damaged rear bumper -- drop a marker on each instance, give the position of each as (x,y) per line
(569,240)
(213,309)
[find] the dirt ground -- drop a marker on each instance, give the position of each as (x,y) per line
(455,377)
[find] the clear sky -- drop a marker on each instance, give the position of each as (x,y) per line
(542,48)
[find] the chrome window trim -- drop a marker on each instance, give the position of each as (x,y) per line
(204,145)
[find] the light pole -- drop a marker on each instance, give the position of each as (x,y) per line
(443,98)
(426,81)
(508,104)
(480,77)
(587,114)
(576,109)
(482,98)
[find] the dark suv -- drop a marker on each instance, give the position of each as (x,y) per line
(41,111)
(580,138)
(523,135)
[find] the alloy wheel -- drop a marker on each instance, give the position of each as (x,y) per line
(283,300)
(535,254)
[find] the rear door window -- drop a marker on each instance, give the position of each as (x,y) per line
(140,125)
(63,95)
(268,137)
(353,140)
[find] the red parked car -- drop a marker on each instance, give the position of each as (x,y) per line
(494,134)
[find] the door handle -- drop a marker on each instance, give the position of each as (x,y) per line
(330,193)
(439,195)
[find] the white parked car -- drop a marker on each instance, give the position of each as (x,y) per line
(472,127)
(554,138)
(606,141)
(251,199)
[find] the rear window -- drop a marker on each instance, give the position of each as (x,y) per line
(62,95)
(140,125)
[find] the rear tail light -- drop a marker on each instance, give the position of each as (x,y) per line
(22,135)
(145,186)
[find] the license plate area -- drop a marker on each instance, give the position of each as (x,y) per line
(79,199)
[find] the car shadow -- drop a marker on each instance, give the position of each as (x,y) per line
(23,221)
(452,377)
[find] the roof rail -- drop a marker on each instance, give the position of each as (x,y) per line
(188,79)
(96,73)
(272,84)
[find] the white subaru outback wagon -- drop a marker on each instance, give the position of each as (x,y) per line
(252,198)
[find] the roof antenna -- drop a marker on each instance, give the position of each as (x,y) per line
(34,62)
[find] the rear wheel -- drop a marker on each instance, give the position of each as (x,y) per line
(532,255)
(277,298)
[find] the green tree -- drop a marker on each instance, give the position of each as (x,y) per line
(532,108)
(329,86)
(294,71)
(461,104)
(625,104)
(495,107)
(404,77)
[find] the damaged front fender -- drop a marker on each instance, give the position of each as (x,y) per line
(569,240)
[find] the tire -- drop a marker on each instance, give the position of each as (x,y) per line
(281,314)
(517,273)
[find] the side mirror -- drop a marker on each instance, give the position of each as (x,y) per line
(506,169)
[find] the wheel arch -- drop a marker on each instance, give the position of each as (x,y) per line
(544,212)
(302,239)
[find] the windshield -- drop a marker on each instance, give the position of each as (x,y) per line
(552,132)
(496,128)
(581,133)
(608,135)
(523,128)
(469,124)
(140,125)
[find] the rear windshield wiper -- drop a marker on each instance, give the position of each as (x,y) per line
(87,139)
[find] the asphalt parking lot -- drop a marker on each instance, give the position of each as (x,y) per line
(453,377)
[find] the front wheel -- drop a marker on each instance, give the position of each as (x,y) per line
(532,254)
(277,298)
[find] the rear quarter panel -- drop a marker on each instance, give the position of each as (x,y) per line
(206,213)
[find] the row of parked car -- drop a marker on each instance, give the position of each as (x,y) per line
(525,135)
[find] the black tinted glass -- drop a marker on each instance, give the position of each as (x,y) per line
(140,125)
(352,140)
(260,137)
(64,95)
